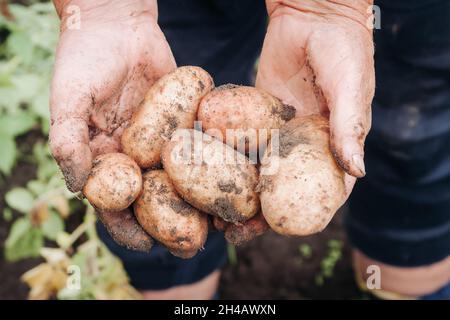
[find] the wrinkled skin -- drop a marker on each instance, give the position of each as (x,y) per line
(318,57)
(102,72)
(314,52)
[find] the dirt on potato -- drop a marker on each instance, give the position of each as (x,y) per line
(286,112)
(125,230)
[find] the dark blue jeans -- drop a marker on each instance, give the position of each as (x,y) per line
(400,212)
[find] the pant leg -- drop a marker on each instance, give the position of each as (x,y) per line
(400,212)
(224,37)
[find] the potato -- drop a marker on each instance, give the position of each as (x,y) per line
(114,183)
(208,180)
(171,103)
(245,110)
(125,230)
(302,187)
(242,233)
(167,218)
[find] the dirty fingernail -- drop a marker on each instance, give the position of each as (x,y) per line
(358,162)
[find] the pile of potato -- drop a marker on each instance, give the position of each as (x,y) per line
(175,176)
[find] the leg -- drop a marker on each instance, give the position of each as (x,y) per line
(204,289)
(400,213)
(409,282)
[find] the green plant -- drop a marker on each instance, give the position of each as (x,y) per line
(43,204)
(26,58)
(329,262)
(39,208)
(98,274)
(305,250)
(232,254)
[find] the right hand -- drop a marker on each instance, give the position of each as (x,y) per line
(318,56)
(102,72)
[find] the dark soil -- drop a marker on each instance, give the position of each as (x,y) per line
(270,267)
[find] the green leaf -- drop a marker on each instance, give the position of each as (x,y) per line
(47,169)
(19,44)
(36,186)
(305,250)
(7,214)
(19,228)
(232,255)
(8,153)
(40,104)
(28,86)
(9,98)
(24,241)
(334,244)
(16,124)
(20,199)
(52,226)
(45,125)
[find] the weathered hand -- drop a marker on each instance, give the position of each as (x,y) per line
(102,72)
(318,57)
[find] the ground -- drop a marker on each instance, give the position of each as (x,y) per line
(270,267)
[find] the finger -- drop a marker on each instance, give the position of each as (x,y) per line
(349,184)
(344,71)
(69,133)
(69,140)
(125,230)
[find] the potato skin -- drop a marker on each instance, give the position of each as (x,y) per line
(242,233)
(210,182)
(114,183)
(241,107)
(125,230)
(171,103)
(168,218)
(302,196)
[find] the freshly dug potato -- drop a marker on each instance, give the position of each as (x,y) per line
(167,218)
(238,234)
(171,103)
(125,230)
(303,194)
(218,180)
(114,183)
(245,110)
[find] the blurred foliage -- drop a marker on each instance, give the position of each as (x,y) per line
(232,254)
(95,272)
(328,263)
(26,59)
(305,250)
(28,39)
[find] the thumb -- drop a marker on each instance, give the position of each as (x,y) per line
(344,70)
(69,132)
